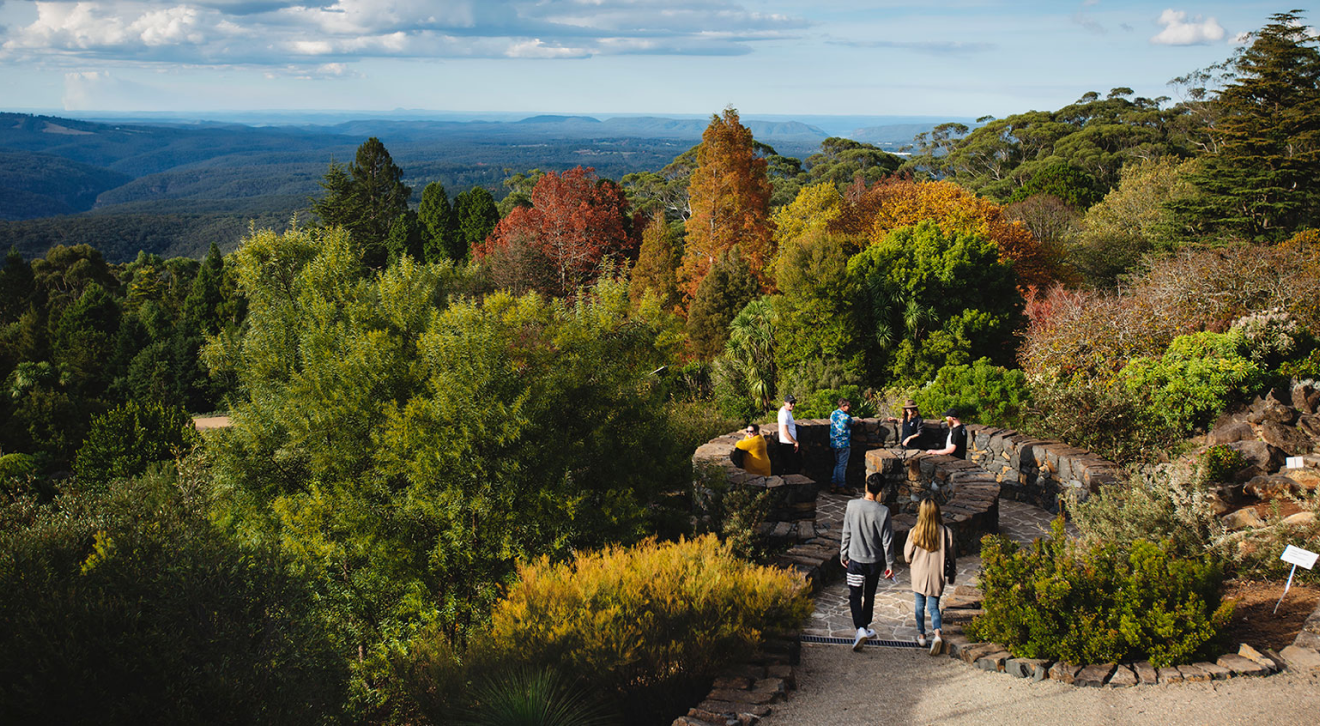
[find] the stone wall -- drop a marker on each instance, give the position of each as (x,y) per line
(1037,471)
(968,495)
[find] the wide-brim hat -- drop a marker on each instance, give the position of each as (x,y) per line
(910,403)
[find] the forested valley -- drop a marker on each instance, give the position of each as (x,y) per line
(461,423)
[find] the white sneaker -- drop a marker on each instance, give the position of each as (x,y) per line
(921,639)
(937,645)
(860,640)
(870,634)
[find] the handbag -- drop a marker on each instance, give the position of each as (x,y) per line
(950,558)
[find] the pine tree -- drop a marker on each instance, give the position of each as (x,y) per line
(202,306)
(657,265)
(407,237)
(730,198)
(366,199)
(440,220)
(724,291)
(1261,179)
(476,215)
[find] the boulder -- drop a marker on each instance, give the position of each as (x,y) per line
(1310,425)
(1306,399)
(1123,677)
(1291,440)
(1307,479)
(1300,519)
(1242,519)
(1271,486)
(1260,454)
(1280,413)
(1094,676)
(1301,659)
(1232,432)
(1146,673)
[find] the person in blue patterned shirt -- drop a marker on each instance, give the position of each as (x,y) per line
(841,443)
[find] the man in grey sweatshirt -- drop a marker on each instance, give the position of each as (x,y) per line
(867,546)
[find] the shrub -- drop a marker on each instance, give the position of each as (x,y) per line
(1164,504)
(1219,463)
(1099,603)
(644,624)
(1098,415)
(124,441)
(1194,380)
(17,466)
(1268,337)
(525,697)
(820,404)
(982,392)
(127,605)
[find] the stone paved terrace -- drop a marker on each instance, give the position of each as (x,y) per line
(893,606)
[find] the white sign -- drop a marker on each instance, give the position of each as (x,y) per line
(1299,556)
(1295,462)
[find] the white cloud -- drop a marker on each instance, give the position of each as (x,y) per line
(278,32)
(1178,30)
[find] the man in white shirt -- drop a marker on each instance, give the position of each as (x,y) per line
(788,442)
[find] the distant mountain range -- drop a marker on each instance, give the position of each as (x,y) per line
(218,173)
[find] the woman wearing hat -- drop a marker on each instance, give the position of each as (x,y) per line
(913,425)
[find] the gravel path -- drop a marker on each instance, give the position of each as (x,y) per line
(900,686)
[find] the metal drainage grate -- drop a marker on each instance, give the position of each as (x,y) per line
(849,641)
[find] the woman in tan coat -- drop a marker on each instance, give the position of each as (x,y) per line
(925,549)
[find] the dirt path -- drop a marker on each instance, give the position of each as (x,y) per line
(904,686)
(211,422)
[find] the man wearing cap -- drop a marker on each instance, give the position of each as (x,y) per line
(788,442)
(956,444)
(913,425)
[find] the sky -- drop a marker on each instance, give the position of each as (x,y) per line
(963,58)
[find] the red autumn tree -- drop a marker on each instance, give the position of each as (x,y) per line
(575,223)
(730,201)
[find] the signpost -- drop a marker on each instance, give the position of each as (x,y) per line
(1296,556)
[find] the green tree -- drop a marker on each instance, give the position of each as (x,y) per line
(407,237)
(814,315)
(745,376)
(656,271)
(125,440)
(442,240)
(724,291)
(84,340)
(204,301)
(1261,177)
(365,199)
(841,161)
(477,216)
(926,299)
(18,287)
(129,606)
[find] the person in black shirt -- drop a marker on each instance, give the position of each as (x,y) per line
(913,425)
(956,444)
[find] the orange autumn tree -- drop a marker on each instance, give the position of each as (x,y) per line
(898,202)
(730,201)
(575,223)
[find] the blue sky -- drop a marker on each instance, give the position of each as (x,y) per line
(886,57)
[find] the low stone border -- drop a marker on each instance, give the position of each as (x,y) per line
(1248,661)
(743,694)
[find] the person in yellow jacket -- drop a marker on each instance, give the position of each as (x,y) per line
(757,460)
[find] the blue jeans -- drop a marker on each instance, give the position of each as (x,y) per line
(839,479)
(932,604)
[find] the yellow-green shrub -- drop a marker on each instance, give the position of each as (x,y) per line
(648,621)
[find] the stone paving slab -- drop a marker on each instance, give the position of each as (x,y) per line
(894,617)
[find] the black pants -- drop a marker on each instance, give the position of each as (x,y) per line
(863,577)
(789,462)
